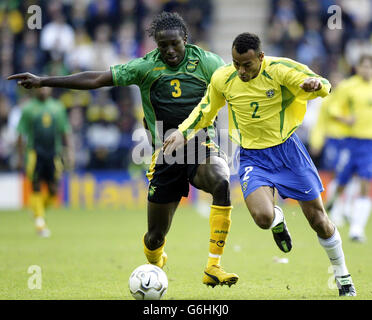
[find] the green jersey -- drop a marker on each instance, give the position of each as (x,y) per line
(44,123)
(169,94)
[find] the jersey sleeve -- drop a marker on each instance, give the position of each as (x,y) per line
(293,75)
(212,62)
(129,73)
(205,112)
(22,127)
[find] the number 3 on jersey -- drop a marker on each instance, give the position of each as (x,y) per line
(175,83)
(247,171)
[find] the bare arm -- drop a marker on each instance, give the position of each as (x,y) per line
(82,81)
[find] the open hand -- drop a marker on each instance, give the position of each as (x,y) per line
(173,142)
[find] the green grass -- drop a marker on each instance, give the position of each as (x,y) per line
(91,255)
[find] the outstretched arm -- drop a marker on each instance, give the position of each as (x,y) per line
(82,81)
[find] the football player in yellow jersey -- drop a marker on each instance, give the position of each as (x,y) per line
(355,94)
(266,97)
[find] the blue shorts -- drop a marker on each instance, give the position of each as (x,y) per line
(355,158)
(286,167)
(331,153)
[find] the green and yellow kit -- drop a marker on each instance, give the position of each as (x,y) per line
(43,125)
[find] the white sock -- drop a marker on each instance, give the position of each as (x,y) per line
(336,214)
(278,217)
(40,222)
(333,248)
(351,193)
(331,189)
(359,218)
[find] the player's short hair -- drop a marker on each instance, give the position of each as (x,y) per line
(167,21)
(245,41)
(365,56)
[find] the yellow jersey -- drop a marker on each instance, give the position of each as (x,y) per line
(327,126)
(264,111)
(354,98)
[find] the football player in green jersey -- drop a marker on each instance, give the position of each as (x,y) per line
(172,79)
(45,128)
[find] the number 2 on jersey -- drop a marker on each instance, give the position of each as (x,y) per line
(255,106)
(175,83)
(247,171)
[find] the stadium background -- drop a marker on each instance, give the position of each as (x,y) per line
(94,34)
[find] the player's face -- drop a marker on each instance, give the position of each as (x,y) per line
(43,93)
(247,64)
(364,69)
(171,45)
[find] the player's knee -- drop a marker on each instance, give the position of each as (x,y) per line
(320,223)
(262,219)
(221,189)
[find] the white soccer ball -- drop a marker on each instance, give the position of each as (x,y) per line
(148,282)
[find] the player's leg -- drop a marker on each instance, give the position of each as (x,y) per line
(213,178)
(344,171)
(34,174)
(361,212)
(258,171)
(336,205)
(352,192)
(168,184)
(267,215)
(159,220)
(53,175)
(330,240)
(362,205)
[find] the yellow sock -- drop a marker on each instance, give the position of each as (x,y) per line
(37,205)
(219,221)
(153,256)
(50,201)
(38,209)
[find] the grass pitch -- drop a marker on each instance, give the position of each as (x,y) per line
(91,254)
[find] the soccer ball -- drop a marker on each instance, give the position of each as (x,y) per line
(148,282)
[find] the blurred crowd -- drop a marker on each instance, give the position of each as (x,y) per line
(307,32)
(327,35)
(94,34)
(77,36)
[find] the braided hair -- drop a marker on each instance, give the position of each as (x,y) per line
(167,21)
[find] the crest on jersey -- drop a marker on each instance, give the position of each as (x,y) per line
(270,93)
(46,120)
(152,190)
(191,65)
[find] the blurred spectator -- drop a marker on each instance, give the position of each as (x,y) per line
(102,118)
(80,58)
(126,43)
(103,52)
(57,37)
(8,135)
(28,56)
(78,128)
(311,46)
(101,12)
